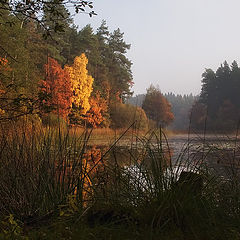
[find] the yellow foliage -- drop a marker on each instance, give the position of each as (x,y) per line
(2,111)
(92,165)
(81,83)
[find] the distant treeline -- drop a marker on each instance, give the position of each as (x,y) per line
(180,106)
(217,108)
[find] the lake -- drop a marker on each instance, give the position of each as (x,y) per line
(220,153)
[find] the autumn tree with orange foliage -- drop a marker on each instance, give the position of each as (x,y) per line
(81,83)
(98,110)
(157,107)
(57,84)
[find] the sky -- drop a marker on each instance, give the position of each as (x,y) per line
(172,41)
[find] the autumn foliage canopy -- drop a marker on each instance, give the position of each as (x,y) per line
(157,107)
(70,89)
(81,83)
(57,84)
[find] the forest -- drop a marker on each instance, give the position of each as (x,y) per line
(51,71)
(77,74)
(83,78)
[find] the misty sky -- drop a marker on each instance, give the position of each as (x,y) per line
(172,41)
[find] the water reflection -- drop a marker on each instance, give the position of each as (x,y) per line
(220,154)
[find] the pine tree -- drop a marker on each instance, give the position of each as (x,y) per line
(219,98)
(120,74)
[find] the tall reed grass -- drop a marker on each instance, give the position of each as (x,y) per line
(139,187)
(39,169)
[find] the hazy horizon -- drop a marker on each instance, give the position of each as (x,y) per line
(172,42)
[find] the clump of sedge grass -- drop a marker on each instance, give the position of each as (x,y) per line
(39,169)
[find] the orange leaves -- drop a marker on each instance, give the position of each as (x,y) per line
(157,107)
(99,106)
(69,87)
(168,116)
(68,90)
(3,61)
(4,66)
(58,86)
(118,96)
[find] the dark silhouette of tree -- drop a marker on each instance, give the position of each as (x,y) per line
(220,98)
(25,10)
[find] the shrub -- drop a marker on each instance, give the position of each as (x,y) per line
(123,115)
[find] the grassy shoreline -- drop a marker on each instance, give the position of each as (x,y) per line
(52,187)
